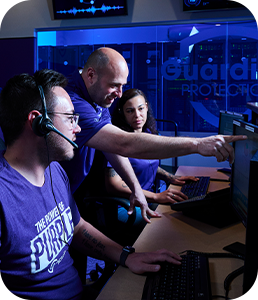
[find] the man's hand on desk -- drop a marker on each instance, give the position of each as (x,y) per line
(218,146)
(143,262)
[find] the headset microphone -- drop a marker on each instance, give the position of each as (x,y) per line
(51,127)
(42,124)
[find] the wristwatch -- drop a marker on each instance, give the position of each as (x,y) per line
(126,251)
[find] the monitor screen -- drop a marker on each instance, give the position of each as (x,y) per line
(244,151)
(197,5)
(75,9)
(226,121)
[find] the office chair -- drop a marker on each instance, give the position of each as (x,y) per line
(100,210)
(102,207)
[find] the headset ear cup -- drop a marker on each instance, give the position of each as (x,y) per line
(40,125)
(36,125)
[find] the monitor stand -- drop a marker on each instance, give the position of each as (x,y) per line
(236,248)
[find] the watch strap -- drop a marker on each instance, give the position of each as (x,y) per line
(126,251)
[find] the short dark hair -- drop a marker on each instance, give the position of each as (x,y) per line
(118,117)
(21,95)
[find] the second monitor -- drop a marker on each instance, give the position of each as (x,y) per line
(226,121)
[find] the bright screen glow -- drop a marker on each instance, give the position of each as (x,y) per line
(67,9)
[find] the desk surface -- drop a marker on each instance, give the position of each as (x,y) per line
(202,171)
(178,232)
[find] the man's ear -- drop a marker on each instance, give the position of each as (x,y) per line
(32,116)
(91,75)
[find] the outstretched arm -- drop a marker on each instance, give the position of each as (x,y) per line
(92,242)
(150,146)
(123,166)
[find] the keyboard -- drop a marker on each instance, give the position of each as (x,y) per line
(196,188)
(188,281)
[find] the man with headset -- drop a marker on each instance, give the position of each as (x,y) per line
(39,219)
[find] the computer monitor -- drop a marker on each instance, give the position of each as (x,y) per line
(244,152)
(244,179)
(200,5)
(74,9)
(226,121)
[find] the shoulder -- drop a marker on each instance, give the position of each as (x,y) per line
(90,118)
(76,89)
(58,179)
(58,171)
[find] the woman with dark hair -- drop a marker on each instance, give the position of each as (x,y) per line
(133,113)
(119,118)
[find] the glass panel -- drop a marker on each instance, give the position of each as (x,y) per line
(189,72)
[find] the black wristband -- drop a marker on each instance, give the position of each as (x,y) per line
(126,251)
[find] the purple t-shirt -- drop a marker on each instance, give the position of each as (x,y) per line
(92,119)
(34,257)
(145,171)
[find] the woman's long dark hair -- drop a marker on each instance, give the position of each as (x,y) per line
(118,117)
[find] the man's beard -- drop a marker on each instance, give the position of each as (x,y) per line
(94,90)
(56,149)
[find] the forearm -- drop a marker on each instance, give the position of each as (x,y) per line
(150,146)
(141,145)
(137,198)
(164,175)
(117,187)
(124,168)
(90,241)
(160,147)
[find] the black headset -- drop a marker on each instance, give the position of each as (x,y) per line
(42,124)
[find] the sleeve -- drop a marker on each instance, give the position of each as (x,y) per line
(89,121)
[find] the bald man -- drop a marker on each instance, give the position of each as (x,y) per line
(93,89)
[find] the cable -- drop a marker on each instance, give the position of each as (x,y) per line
(51,182)
(231,277)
